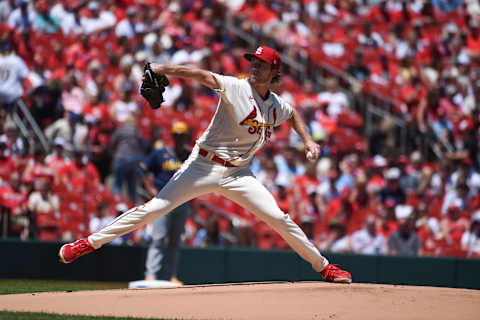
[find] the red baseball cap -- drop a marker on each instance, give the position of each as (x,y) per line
(266,54)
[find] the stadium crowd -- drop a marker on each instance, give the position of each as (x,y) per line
(78,65)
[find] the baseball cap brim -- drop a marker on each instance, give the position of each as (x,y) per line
(250,56)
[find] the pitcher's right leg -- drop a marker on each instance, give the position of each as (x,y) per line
(195,180)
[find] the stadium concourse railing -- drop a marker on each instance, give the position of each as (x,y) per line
(28,127)
(38,260)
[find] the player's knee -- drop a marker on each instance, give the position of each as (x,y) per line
(278,220)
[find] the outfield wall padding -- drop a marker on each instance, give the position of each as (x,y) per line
(39,260)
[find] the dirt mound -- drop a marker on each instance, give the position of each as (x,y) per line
(285,300)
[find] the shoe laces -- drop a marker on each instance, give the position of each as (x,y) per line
(333,268)
(79,247)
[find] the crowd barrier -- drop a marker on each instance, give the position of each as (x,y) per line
(38,260)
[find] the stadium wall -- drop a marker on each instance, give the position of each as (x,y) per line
(38,260)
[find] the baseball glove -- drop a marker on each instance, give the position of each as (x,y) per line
(153,86)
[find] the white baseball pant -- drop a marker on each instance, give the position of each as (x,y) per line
(199,176)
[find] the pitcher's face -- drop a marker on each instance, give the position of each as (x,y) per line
(260,72)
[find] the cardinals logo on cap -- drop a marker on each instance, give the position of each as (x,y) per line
(266,54)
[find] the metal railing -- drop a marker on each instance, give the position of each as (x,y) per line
(29,127)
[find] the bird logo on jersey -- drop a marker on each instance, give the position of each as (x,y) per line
(257,127)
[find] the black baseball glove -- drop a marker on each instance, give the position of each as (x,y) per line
(153,86)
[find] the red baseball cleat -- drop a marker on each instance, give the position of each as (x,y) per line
(332,273)
(71,251)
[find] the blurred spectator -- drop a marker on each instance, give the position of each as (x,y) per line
(457,197)
(70,17)
(155,49)
(127,148)
(99,20)
(14,72)
(368,38)
(428,231)
(383,137)
(405,241)
(16,143)
(337,239)
(125,81)
(454,225)
(322,10)
(65,128)
(367,240)
(44,206)
(387,223)
(470,241)
(288,164)
(36,168)
(328,189)
(57,159)
(210,235)
(333,99)
(131,25)
(79,173)
(358,69)
(97,145)
(6,7)
(392,190)
(13,197)
(413,172)
(102,217)
(44,21)
(466,173)
(22,17)
(73,95)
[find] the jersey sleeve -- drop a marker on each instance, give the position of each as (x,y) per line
(283,112)
(229,87)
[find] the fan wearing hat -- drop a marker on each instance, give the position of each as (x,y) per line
(162,163)
(393,190)
(404,241)
(131,25)
(14,72)
(243,123)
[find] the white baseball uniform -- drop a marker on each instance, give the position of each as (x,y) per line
(242,124)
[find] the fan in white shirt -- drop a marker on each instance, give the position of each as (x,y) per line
(367,241)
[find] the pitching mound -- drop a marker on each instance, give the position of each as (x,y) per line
(302,300)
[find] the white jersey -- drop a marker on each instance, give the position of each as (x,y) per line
(12,73)
(243,122)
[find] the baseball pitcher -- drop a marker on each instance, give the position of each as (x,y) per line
(246,114)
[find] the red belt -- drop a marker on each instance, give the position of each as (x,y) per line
(215,158)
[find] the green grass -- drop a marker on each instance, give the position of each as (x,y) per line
(50,316)
(11,286)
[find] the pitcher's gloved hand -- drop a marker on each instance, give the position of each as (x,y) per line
(153,86)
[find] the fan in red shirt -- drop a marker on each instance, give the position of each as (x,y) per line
(57,160)
(257,12)
(79,170)
(14,198)
(7,166)
(36,168)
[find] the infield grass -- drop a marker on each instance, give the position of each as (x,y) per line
(51,316)
(13,286)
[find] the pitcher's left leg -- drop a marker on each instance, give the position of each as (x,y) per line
(248,192)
